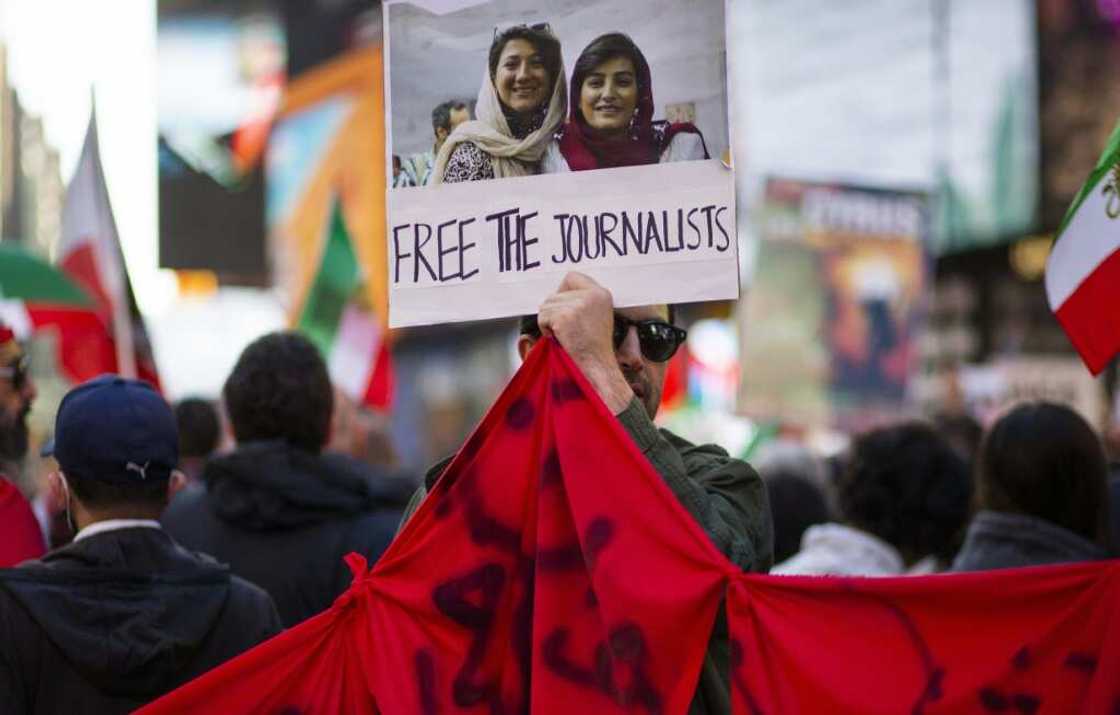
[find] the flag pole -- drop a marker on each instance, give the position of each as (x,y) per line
(121,315)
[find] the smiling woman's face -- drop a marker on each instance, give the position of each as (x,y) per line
(521,78)
(609,95)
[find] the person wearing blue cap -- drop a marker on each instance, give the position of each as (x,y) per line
(123,614)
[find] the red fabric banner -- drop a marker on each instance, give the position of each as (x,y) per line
(551,571)
(1016,641)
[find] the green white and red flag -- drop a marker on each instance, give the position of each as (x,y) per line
(90,254)
(1083,271)
(339,318)
(36,297)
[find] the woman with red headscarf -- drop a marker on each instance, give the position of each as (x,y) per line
(610,121)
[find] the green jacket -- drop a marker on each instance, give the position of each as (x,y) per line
(725,496)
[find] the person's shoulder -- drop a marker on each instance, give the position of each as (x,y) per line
(467,162)
(466,149)
(684,146)
(185,506)
(247,595)
(686,447)
(385,488)
(708,456)
(380,525)
(553,161)
(436,470)
(250,614)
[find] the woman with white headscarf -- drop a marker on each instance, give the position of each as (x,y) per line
(521,104)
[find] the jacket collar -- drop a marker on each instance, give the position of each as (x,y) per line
(1046,540)
(855,546)
(100,527)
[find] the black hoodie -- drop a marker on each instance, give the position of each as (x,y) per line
(284,518)
(115,620)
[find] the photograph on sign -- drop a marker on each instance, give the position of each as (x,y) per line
(830,324)
(529,139)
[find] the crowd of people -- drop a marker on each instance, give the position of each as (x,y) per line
(176,553)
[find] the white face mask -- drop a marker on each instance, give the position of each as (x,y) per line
(69,516)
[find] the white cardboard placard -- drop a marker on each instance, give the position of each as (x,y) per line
(489,249)
(654,233)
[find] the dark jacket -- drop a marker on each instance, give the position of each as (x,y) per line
(1000,540)
(726,497)
(284,518)
(113,621)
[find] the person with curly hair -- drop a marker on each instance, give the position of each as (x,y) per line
(1041,486)
(903,500)
(278,509)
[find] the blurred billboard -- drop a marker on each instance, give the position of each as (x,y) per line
(1079,42)
(829,325)
(897,94)
(220,77)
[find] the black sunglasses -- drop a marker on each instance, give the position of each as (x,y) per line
(16,373)
(538,27)
(658,339)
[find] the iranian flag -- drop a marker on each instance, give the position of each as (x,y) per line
(1083,271)
(338,317)
(37,298)
(90,254)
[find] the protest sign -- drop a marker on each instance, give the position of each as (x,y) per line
(528,140)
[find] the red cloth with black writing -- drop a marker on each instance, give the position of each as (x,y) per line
(1017,641)
(551,571)
(20,536)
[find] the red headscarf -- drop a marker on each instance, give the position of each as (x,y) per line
(643,143)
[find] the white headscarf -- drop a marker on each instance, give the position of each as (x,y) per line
(509,155)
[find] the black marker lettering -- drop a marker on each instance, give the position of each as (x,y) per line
(726,237)
(397,255)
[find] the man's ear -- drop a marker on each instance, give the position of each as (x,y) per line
(524,345)
(441,134)
(176,483)
(56,492)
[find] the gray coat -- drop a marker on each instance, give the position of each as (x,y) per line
(998,540)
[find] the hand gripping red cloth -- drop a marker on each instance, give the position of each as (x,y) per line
(551,571)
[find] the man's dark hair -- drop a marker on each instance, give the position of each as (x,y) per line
(1044,460)
(527,324)
(96,494)
(907,486)
(795,504)
(280,390)
(962,432)
(199,427)
(543,41)
(441,115)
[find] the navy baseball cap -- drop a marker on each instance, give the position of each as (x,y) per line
(115,430)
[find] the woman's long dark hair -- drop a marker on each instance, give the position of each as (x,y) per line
(1044,460)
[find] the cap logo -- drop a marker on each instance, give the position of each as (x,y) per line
(134,467)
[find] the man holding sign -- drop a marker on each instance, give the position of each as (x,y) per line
(624,354)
